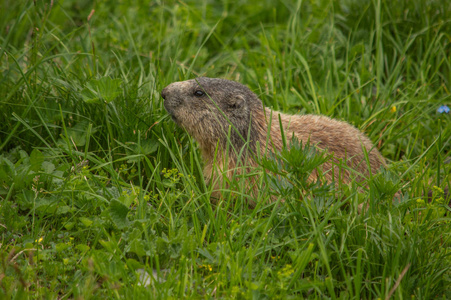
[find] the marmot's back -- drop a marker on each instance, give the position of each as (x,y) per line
(339,138)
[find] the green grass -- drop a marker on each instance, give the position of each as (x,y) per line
(97,182)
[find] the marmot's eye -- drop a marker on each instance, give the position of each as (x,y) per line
(198,93)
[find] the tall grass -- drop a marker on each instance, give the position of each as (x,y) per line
(97,183)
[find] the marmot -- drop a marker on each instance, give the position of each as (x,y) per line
(215,111)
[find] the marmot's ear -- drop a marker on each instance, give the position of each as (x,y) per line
(236,101)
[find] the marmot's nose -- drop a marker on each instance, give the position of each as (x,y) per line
(164,93)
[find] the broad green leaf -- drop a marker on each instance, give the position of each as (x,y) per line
(60,247)
(85,221)
(77,134)
(47,167)
(118,214)
(104,89)
(137,247)
(64,209)
(36,160)
(7,169)
(82,247)
(146,147)
(69,225)
(133,264)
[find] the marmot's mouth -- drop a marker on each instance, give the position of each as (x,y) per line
(174,118)
(171,113)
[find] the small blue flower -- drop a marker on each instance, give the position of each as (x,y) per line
(443,109)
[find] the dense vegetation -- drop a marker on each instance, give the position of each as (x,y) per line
(100,191)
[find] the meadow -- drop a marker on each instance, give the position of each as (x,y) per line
(102,195)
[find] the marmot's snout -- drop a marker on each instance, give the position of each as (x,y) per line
(174,97)
(170,101)
(168,93)
(164,93)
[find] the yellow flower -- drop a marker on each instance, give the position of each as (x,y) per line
(393,109)
(39,240)
(207,267)
(285,272)
(437,189)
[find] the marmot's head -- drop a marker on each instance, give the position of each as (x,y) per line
(206,107)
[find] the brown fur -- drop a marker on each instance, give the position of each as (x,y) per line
(229,110)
